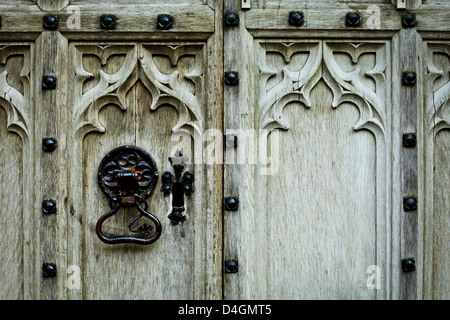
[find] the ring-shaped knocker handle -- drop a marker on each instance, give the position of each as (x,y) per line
(128,239)
(127,176)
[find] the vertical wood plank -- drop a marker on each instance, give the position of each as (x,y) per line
(51,59)
(233,288)
(407,111)
(214,175)
(436,172)
(12,213)
(243,228)
(17,173)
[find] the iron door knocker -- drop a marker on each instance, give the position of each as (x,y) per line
(127,176)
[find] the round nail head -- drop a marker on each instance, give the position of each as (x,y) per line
(231,19)
(408,20)
(408,265)
(49,270)
(50,22)
(409,140)
(49,206)
(296,19)
(165,22)
(353,19)
(410,203)
(49,144)
(231,203)
(231,265)
(49,82)
(108,22)
(409,78)
(231,78)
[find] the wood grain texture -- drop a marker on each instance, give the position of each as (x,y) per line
(280,234)
(52,5)
(132,20)
(11,179)
(159,89)
(436,171)
(51,167)
(17,178)
(323,16)
(329,97)
(406,46)
(298,242)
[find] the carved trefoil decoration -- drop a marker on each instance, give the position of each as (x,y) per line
(139,64)
(297,81)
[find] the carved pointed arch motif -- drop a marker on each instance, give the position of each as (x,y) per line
(439,88)
(138,65)
(16,100)
(346,86)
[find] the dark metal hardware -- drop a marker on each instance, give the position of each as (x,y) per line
(165,21)
(231,265)
(49,270)
(231,19)
(409,20)
(50,22)
(231,203)
(108,22)
(49,82)
(231,78)
(49,206)
(296,18)
(410,203)
(353,19)
(49,144)
(409,78)
(409,140)
(167,180)
(409,265)
(230,141)
(179,186)
(127,176)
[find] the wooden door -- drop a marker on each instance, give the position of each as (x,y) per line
(311,202)
(131,82)
(320,111)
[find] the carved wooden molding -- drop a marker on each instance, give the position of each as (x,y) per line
(321,63)
(16,103)
(294,86)
(139,64)
(440,93)
(348,87)
(46,5)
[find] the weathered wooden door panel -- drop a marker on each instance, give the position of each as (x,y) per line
(145,94)
(326,210)
(329,185)
(320,168)
(132,85)
(159,88)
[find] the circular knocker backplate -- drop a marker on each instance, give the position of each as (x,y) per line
(125,172)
